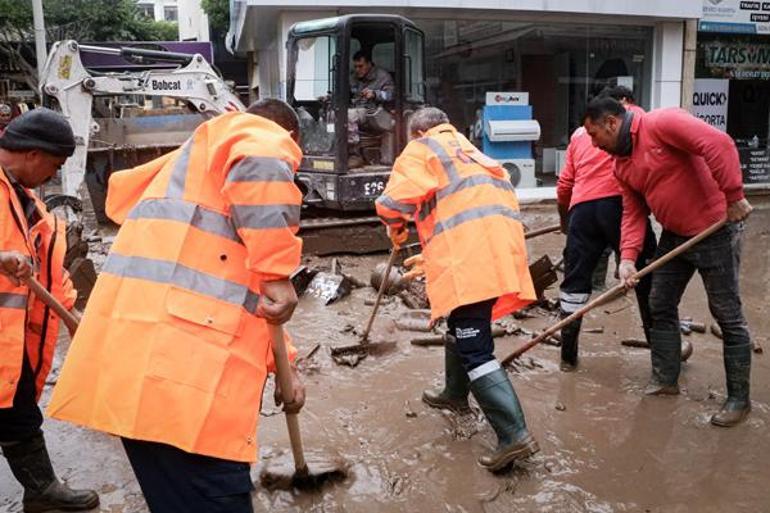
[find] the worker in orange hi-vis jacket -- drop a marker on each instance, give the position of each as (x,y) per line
(475,263)
(174,348)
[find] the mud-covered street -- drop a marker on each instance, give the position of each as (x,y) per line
(604,446)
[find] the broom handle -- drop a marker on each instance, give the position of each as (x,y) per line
(614,291)
(542,231)
(65,315)
(383,286)
(283,374)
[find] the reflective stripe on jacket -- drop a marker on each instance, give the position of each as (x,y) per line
(467,217)
(170,349)
(24,320)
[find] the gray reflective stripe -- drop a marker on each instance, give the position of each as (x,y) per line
(176,184)
(473,214)
(483,369)
(186,212)
(173,273)
(261,169)
(392,220)
(443,156)
(388,202)
(571,302)
(10,300)
(265,216)
(429,205)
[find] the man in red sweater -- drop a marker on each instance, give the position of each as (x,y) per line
(590,207)
(688,175)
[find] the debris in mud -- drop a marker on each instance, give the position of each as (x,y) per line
(635,342)
(463,426)
(543,274)
(560,406)
(395,282)
(598,330)
(415,320)
(329,287)
(415,296)
(757,348)
(716,330)
(301,278)
(409,412)
(697,327)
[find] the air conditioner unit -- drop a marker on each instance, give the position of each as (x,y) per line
(522,172)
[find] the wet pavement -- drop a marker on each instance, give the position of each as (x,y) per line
(604,446)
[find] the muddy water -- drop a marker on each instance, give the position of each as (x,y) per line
(605,447)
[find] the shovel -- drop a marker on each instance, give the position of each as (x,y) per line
(303,476)
(65,315)
(614,292)
(352,355)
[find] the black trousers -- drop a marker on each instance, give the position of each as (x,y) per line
(471,325)
(717,259)
(175,481)
(24,419)
(594,226)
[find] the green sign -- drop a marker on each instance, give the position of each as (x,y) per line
(737,55)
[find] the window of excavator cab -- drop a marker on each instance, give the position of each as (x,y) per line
(314,93)
(415,82)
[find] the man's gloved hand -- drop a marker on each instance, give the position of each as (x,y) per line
(15,266)
(626,272)
(398,236)
(299,393)
(278,301)
(417,265)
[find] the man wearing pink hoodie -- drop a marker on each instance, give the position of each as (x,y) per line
(687,173)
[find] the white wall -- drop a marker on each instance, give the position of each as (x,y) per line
(193,22)
(667,65)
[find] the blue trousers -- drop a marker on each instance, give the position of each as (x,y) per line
(175,481)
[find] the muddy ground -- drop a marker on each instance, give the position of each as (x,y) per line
(605,447)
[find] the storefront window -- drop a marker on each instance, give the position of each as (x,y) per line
(732,93)
(561,66)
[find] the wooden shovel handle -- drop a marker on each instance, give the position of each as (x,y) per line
(283,374)
(614,292)
(65,315)
(383,287)
(542,231)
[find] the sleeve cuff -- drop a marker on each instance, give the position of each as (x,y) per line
(734,195)
(629,254)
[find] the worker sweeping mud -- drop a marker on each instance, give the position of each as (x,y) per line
(475,263)
(174,347)
(688,175)
(33,244)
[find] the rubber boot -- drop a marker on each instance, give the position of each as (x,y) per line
(498,401)
(665,353)
(457,385)
(569,344)
(31,466)
(738,371)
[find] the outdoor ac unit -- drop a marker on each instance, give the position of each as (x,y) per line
(522,172)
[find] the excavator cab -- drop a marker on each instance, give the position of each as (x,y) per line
(350,138)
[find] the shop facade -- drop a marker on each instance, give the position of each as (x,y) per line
(561,53)
(732,80)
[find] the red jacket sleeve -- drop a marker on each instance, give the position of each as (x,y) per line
(686,132)
(566,177)
(633,226)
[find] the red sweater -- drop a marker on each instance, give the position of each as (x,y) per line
(682,170)
(588,173)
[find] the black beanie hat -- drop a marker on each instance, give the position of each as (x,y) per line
(39,129)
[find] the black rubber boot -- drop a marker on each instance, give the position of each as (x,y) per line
(454,395)
(498,401)
(31,466)
(737,371)
(665,353)
(569,344)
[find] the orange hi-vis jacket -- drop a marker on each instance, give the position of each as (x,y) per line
(170,349)
(24,320)
(467,217)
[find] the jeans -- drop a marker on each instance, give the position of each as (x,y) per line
(717,259)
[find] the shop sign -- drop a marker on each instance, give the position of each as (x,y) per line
(709,101)
(755,164)
(735,16)
(746,61)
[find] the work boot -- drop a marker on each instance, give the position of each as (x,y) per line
(31,466)
(665,353)
(569,344)
(737,371)
(498,401)
(457,385)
